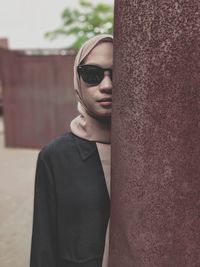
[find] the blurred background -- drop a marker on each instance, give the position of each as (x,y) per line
(38,43)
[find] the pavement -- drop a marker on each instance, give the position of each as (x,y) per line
(17,171)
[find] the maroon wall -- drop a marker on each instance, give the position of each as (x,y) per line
(155,217)
(39,100)
(4,43)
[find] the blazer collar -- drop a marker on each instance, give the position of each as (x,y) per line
(86,148)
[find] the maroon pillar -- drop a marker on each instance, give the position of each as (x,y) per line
(155,211)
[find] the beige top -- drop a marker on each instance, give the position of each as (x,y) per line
(105,156)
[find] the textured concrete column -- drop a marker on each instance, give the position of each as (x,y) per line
(155,217)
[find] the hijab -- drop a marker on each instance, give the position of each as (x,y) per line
(90,128)
(85,125)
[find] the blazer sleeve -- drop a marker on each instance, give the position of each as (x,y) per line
(43,246)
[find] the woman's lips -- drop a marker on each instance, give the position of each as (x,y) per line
(106,102)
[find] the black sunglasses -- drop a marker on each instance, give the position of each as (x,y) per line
(92,74)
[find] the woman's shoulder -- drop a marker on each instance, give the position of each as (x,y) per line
(64,142)
(67,145)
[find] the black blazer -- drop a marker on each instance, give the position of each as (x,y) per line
(71,205)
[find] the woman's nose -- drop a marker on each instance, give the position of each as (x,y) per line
(106,84)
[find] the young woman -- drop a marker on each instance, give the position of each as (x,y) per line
(72,185)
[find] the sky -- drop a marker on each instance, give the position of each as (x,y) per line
(24,22)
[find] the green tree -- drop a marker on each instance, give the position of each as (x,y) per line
(84,22)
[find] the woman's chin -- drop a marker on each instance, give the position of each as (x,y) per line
(104,118)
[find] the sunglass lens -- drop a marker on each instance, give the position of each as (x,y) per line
(92,76)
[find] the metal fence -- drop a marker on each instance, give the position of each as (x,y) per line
(38,97)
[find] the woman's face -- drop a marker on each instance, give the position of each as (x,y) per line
(98,98)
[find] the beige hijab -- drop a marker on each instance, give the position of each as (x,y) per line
(89,128)
(85,125)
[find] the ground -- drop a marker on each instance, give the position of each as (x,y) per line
(17,169)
